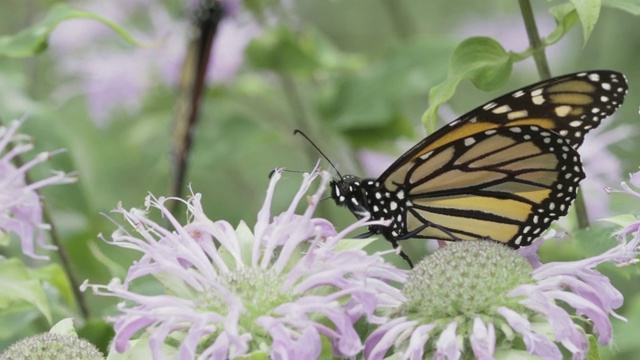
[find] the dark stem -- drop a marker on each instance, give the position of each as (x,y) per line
(543,71)
(191,90)
(65,260)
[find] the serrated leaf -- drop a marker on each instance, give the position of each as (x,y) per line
(565,16)
(33,40)
(17,285)
(55,275)
(630,6)
(480,59)
(588,13)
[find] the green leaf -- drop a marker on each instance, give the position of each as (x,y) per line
(256,355)
(116,270)
(33,40)
(622,220)
(246,240)
(97,332)
(514,354)
(140,349)
(592,241)
(371,136)
(593,348)
(55,275)
(17,285)
(354,244)
(64,327)
(479,59)
(565,16)
(630,6)
(5,239)
(588,12)
(368,103)
(283,51)
(626,341)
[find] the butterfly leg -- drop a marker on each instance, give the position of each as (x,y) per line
(365,235)
(393,242)
(424,226)
(402,254)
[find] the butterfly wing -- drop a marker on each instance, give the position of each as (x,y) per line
(504,170)
(506,184)
(570,105)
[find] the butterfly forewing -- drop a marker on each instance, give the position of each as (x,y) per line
(570,105)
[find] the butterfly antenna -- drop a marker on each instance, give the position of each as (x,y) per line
(285,170)
(296,132)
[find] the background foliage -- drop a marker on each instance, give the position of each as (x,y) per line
(354,75)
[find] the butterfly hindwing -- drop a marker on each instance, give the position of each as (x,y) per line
(506,184)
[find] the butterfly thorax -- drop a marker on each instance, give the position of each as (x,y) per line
(369,196)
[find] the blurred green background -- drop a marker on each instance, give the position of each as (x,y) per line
(354,75)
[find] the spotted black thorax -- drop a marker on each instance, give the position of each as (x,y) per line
(368,196)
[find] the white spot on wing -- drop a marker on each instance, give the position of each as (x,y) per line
(538,100)
(426,156)
(575,123)
(469,141)
(562,110)
(502,109)
(489,106)
(517,114)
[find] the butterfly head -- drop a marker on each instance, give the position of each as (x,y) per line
(347,191)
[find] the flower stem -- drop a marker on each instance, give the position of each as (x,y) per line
(543,71)
(64,259)
(534,39)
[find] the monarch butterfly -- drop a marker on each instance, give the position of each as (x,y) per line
(504,171)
